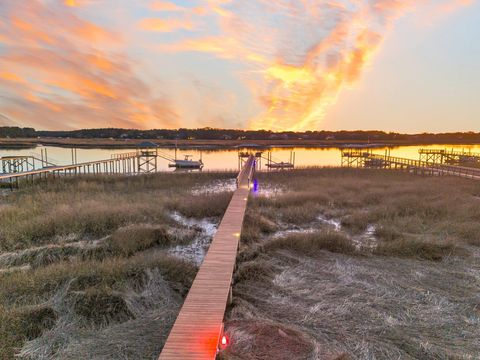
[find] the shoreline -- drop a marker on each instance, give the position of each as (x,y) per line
(26,143)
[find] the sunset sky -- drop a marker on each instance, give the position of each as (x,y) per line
(408,66)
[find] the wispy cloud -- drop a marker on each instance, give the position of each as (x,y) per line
(300,55)
(81,63)
(166,25)
(165,6)
(67,72)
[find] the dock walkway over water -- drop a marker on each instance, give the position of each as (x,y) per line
(366,159)
(14,169)
(199,325)
(121,165)
(452,157)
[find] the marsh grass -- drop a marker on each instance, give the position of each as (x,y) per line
(132,239)
(311,244)
(256,225)
(271,341)
(388,233)
(253,271)
(357,222)
(101,307)
(420,249)
(19,325)
(97,253)
(399,298)
(97,288)
(201,206)
(37,285)
(396,203)
(97,206)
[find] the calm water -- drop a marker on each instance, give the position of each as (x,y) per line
(228,159)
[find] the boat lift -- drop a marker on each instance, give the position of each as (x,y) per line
(151,152)
(275,164)
(186,163)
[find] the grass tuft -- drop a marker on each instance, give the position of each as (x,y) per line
(268,341)
(412,248)
(201,206)
(388,233)
(253,271)
(311,244)
(101,307)
(23,324)
(132,239)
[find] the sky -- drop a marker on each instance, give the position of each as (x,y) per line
(407,66)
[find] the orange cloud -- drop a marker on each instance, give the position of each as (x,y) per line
(10,77)
(93,33)
(294,57)
(79,77)
(166,25)
(297,69)
(76,3)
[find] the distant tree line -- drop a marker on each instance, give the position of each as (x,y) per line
(230,134)
(17,132)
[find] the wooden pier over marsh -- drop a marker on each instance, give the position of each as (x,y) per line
(198,329)
(364,158)
(15,169)
(115,165)
(451,157)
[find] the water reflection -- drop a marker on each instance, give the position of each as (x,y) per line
(227,159)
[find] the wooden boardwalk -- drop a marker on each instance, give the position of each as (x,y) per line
(143,161)
(366,159)
(452,157)
(199,325)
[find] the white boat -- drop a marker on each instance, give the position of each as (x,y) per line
(186,163)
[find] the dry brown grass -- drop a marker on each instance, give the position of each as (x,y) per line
(96,206)
(132,239)
(22,324)
(396,203)
(253,271)
(118,267)
(311,243)
(201,206)
(397,279)
(411,248)
(97,287)
(35,286)
(256,225)
(272,341)
(101,307)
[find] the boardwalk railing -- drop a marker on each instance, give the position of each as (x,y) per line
(107,166)
(125,155)
(142,161)
(368,159)
(199,325)
(441,156)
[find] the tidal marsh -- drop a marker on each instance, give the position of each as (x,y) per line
(366,265)
(86,267)
(334,264)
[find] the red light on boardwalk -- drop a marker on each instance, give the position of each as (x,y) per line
(224,342)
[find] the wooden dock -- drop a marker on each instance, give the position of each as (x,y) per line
(199,325)
(367,159)
(452,157)
(108,166)
(141,161)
